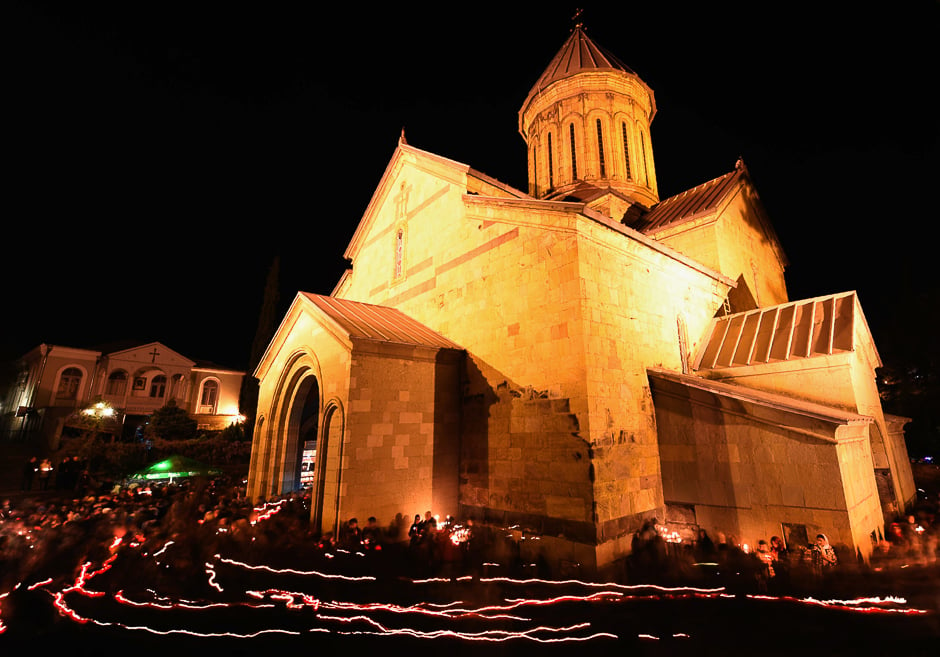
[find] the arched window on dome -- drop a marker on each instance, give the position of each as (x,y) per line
(535,166)
(574,153)
(645,172)
(626,149)
(600,148)
(551,165)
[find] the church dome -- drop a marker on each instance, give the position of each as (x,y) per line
(586,124)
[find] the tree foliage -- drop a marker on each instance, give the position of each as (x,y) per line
(171,423)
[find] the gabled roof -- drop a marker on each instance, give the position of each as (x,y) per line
(364,321)
(691,203)
(139,350)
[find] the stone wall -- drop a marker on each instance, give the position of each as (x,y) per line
(748,473)
(402,436)
(524,463)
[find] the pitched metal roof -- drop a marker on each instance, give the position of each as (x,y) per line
(691,203)
(379,323)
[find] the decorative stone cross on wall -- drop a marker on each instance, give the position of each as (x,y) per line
(153,355)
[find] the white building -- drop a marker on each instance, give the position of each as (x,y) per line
(54,381)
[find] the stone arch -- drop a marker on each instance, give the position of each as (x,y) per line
(303,410)
(277,464)
(257,449)
(327,485)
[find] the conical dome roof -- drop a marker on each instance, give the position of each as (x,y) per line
(577,55)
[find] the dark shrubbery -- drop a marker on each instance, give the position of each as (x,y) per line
(217,450)
(117,459)
(170,423)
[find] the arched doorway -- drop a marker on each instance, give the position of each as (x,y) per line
(307,438)
(301,427)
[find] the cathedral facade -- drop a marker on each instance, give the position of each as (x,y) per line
(579,358)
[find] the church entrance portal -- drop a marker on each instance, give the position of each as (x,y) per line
(302,435)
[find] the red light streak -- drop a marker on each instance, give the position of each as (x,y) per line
(292,571)
(380,618)
(850,605)
(36,585)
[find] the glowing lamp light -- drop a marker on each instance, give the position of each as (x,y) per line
(99,410)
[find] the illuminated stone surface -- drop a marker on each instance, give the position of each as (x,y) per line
(536,360)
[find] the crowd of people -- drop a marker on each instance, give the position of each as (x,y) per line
(773,565)
(69,475)
(53,534)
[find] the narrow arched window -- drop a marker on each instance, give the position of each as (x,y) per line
(399,252)
(535,166)
(600,148)
(551,166)
(574,156)
(646,173)
(626,148)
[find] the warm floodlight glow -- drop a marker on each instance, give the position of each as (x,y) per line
(99,409)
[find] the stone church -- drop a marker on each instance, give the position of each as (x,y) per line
(574,360)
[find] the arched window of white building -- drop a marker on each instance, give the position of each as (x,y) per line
(117,383)
(158,386)
(209,398)
(69,383)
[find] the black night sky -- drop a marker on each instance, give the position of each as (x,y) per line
(159,155)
